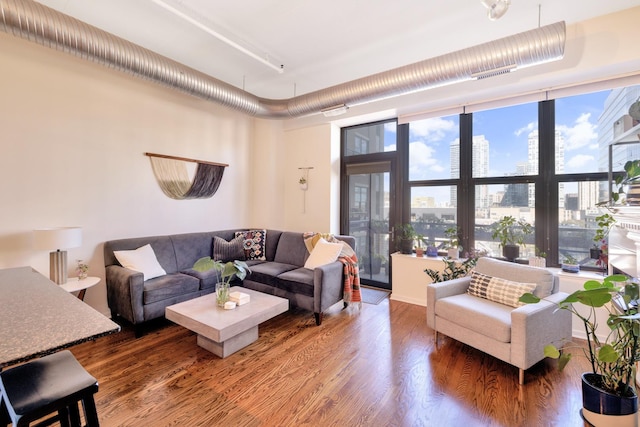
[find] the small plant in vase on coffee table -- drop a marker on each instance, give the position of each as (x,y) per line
(227,271)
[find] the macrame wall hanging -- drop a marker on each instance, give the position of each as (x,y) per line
(173,177)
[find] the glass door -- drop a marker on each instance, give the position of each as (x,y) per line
(369,204)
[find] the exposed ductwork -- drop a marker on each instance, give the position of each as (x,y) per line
(32,21)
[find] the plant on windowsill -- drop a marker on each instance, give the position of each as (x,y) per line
(227,271)
(613,361)
(511,233)
(600,243)
(418,248)
(453,269)
(405,234)
(452,244)
(539,260)
(570,264)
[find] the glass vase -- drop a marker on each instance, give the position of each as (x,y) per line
(222,293)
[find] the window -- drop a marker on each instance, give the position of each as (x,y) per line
(371,139)
(545,162)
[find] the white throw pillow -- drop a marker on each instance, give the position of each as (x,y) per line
(323,253)
(142,259)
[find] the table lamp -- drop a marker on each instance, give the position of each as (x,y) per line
(58,239)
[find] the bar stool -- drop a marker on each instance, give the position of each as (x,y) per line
(53,383)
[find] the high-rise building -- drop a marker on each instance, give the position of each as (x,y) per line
(480,153)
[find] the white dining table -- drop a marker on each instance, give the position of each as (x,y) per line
(38,317)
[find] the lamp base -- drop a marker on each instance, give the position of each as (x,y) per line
(58,267)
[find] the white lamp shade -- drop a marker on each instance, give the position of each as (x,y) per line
(58,238)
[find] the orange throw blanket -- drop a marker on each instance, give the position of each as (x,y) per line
(349,260)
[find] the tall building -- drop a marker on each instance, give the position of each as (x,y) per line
(533,142)
(480,153)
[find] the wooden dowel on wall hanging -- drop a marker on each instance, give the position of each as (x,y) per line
(185,159)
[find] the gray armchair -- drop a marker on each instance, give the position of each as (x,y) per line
(516,335)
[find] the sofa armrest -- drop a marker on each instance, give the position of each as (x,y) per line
(327,285)
(533,326)
(436,291)
(124,292)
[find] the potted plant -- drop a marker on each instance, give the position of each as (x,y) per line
(604,222)
(404,236)
(418,248)
(570,264)
(432,250)
(610,386)
(453,269)
(539,260)
(511,233)
(303,183)
(227,270)
(628,184)
(452,244)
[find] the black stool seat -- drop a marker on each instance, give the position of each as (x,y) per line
(53,383)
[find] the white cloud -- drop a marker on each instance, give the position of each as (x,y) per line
(390,127)
(432,130)
(423,163)
(527,129)
(583,133)
(580,163)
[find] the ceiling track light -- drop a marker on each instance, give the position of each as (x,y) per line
(496,8)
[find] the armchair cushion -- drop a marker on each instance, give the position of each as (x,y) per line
(497,289)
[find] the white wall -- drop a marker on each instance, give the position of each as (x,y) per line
(73,134)
(317,208)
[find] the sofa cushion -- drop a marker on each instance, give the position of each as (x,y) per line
(228,251)
(543,278)
(142,259)
(268,272)
(480,315)
(323,253)
(254,243)
(291,249)
(298,281)
(169,286)
(208,279)
(497,289)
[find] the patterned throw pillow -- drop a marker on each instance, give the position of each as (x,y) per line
(498,290)
(254,244)
(228,251)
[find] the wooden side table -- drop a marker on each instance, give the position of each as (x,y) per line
(80,286)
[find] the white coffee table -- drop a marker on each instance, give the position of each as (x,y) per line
(223,332)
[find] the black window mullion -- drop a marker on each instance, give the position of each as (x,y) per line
(547,184)
(466,187)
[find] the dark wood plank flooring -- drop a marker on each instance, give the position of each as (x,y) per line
(376,367)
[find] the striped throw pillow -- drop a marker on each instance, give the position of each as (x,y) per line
(497,289)
(228,251)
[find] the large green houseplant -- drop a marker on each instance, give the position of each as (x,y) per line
(511,233)
(613,360)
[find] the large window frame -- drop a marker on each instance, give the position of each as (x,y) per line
(546,182)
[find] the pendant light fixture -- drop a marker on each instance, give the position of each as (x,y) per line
(497,8)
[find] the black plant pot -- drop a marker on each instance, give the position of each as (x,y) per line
(598,404)
(511,252)
(594,253)
(406,246)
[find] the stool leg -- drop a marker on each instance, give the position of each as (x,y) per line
(63,414)
(90,411)
(74,415)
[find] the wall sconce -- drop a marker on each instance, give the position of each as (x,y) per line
(58,239)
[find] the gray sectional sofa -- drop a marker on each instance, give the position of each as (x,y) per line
(281,273)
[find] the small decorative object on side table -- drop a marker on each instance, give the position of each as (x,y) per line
(82,270)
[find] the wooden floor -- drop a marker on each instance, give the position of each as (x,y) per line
(376,367)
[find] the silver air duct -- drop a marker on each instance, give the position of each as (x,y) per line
(48,27)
